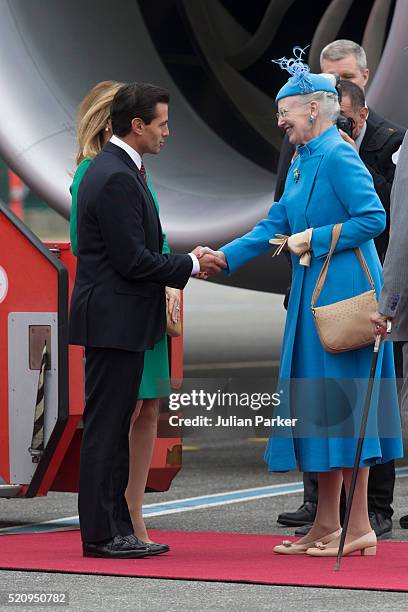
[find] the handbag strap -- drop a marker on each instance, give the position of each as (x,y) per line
(323,272)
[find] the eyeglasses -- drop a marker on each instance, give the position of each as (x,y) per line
(281,114)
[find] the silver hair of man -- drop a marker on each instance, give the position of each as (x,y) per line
(339,49)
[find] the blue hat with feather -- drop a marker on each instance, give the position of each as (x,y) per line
(302,80)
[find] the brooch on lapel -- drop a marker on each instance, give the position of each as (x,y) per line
(296,175)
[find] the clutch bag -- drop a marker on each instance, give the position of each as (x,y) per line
(344,325)
(173,329)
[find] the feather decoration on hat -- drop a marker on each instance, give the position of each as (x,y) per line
(298,69)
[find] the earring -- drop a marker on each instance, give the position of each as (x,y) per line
(311,119)
(107,129)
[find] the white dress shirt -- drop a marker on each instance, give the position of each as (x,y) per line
(136,158)
(133,154)
(360,137)
(395,156)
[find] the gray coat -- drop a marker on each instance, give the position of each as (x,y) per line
(393,300)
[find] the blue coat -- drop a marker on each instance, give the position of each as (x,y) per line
(326,391)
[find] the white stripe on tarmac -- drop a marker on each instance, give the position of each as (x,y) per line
(186,504)
(170,507)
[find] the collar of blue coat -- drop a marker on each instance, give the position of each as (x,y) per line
(300,86)
(316,143)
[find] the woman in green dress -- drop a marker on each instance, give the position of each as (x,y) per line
(93,132)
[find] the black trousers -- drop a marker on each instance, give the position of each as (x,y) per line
(112,381)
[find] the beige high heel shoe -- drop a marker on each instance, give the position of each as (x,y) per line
(292,548)
(366,544)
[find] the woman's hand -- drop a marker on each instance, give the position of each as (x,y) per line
(173,303)
(298,243)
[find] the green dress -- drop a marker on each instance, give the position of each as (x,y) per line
(155,380)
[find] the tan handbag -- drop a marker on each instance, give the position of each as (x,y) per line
(344,325)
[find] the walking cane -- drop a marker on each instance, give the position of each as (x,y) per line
(360,445)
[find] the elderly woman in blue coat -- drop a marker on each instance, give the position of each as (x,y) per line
(326,184)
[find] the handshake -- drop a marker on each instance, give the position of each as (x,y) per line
(211,262)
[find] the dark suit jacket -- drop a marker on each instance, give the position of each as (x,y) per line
(381,140)
(119,298)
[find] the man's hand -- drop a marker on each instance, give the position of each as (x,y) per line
(211,262)
(380,323)
(347,138)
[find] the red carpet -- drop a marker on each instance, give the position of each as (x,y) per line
(223,557)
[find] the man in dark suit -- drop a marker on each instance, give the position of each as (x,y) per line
(376,139)
(118,309)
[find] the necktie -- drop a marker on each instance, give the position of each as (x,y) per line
(143,173)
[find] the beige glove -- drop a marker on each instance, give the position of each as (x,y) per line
(299,244)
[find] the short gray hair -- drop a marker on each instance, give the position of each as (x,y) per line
(329,106)
(339,49)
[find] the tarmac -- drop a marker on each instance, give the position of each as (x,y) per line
(231,461)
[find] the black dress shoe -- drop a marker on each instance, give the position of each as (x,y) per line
(382,525)
(119,547)
(133,540)
(303,515)
(303,530)
(157,549)
(404,521)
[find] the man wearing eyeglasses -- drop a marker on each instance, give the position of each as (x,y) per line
(376,139)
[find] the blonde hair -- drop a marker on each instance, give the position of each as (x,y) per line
(93,119)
